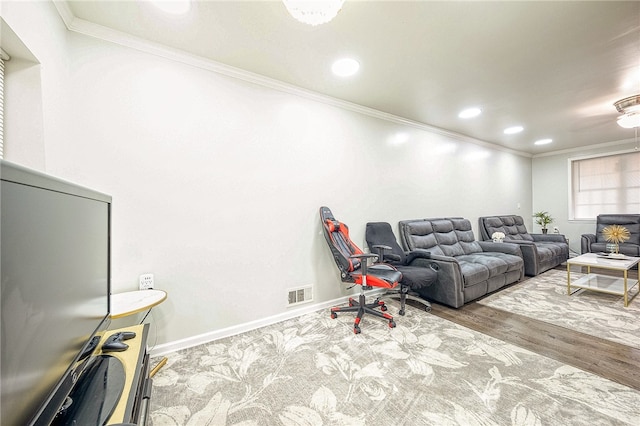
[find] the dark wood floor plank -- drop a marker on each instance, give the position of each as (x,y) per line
(611,360)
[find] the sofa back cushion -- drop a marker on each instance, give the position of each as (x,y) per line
(466,239)
(511,226)
(418,234)
(446,236)
(629,221)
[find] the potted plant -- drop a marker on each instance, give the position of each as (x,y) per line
(543,219)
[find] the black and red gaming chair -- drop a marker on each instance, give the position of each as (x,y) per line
(352,263)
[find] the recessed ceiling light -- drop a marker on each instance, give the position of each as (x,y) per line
(543,141)
(470,113)
(176,7)
(513,130)
(345,67)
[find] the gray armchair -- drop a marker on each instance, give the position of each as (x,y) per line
(540,252)
(467,269)
(595,243)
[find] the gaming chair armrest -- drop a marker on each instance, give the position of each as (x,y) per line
(382,256)
(364,257)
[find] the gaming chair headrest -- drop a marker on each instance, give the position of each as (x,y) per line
(332,225)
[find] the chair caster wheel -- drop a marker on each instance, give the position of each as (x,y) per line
(427,309)
(356,330)
(383,308)
(334,315)
(392,324)
(401,312)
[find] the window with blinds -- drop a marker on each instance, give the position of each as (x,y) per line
(605,184)
(4,56)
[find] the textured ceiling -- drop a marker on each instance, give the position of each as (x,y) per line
(553,67)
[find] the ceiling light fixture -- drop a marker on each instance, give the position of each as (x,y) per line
(470,113)
(630,110)
(313,12)
(345,67)
(176,7)
(543,141)
(513,130)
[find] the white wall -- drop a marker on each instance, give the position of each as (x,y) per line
(217,182)
(551,187)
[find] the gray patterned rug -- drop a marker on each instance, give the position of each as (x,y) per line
(313,370)
(598,314)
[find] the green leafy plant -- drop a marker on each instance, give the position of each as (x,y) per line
(543,219)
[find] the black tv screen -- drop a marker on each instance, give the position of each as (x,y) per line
(55,286)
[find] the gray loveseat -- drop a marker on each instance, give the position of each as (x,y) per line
(468,269)
(540,252)
(595,243)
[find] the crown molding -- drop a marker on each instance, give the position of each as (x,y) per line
(580,149)
(65,12)
(91,29)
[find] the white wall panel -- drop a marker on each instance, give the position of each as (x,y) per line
(217,182)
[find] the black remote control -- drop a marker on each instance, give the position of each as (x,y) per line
(114,344)
(126,335)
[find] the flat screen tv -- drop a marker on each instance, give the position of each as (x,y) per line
(55,286)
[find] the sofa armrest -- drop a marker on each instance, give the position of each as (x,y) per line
(426,259)
(448,267)
(519,242)
(585,242)
(507,248)
(552,238)
(449,285)
(416,254)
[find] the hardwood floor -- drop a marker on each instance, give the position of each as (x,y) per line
(605,358)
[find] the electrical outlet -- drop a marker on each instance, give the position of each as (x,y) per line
(146,281)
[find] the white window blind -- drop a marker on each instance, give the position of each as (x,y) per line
(4,56)
(605,184)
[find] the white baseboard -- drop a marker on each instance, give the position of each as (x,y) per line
(189,342)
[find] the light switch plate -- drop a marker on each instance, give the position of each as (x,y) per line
(146,281)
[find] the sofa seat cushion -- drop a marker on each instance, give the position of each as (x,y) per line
(549,251)
(479,267)
(472,272)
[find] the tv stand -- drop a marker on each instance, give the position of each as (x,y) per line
(134,402)
(115,388)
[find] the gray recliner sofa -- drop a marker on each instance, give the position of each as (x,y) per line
(540,252)
(467,269)
(595,243)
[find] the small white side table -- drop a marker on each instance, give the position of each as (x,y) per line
(132,302)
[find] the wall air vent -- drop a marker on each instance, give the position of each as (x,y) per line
(296,296)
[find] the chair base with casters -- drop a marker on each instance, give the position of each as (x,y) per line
(403,294)
(362,307)
(410,275)
(353,266)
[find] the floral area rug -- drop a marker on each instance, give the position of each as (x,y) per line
(313,370)
(545,298)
